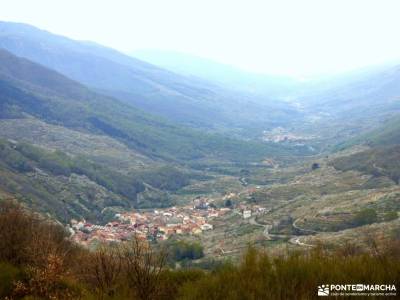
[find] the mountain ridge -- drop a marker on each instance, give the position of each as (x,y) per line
(189,101)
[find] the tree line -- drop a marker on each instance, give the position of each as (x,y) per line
(38,261)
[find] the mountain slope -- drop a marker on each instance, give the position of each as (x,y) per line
(378,161)
(45,181)
(186,100)
(29,88)
(371,93)
(344,107)
(387,134)
(94,153)
(226,75)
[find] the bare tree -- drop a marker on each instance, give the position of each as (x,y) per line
(40,247)
(15,231)
(102,269)
(143,267)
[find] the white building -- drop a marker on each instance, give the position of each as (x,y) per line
(206,226)
(246,214)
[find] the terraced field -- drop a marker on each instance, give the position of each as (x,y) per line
(306,207)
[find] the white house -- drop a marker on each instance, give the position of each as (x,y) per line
(206,226)
(246,214)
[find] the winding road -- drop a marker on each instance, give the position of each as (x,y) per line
(293,239)
(302,229)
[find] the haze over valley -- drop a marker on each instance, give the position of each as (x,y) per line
(211,162)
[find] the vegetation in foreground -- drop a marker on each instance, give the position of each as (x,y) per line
(37,261)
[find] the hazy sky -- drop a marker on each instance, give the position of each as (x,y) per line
(299,37)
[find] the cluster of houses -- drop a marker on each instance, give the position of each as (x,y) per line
(279,135)
(244,208)
(247,210)
(158,224)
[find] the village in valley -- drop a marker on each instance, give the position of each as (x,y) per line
(158,224)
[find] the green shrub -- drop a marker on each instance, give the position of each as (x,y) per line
(9,274)
(181,250)
(365,217)
(390,216)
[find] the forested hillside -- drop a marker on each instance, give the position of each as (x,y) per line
(68,186)
(31,89)
(190,101)
(95,151)
(379,161)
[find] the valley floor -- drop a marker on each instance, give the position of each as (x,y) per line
(279,208)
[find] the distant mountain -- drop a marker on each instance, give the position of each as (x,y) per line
(377,161)
(381,158)
(28,88)
(332,108)
(190,101)
(225,75)
(61,140)
(387,134)
(370,92)
(345,106)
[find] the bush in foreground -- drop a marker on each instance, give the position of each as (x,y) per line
(37,261)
